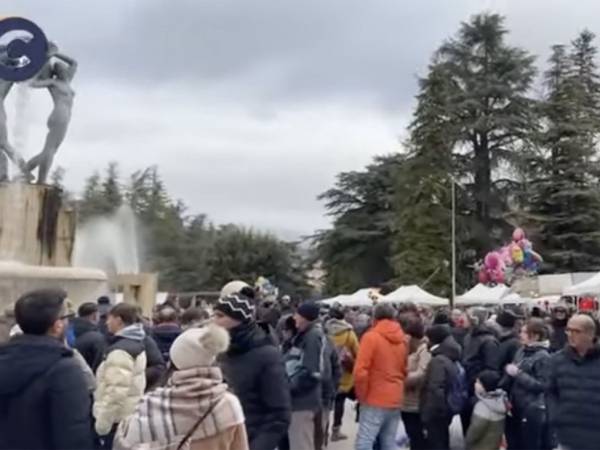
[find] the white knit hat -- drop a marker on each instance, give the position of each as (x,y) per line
(199,347)
(233,287)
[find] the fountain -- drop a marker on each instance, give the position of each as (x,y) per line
(38,248)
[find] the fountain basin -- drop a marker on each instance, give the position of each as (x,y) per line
(81,284)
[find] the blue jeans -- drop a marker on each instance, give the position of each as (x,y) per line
(377,424)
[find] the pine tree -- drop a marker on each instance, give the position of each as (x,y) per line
(422,252)
(490,110)
(565,207)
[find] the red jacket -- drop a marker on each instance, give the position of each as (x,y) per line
(380,367)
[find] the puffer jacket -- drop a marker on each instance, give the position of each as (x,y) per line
(343,337)
(121,378)
(480,352)
(253,368)
(573,398)
(528,386)
(487,423)
(440,371)
(380,368)
(418,361)
(89,342)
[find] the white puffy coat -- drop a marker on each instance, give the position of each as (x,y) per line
(121,379)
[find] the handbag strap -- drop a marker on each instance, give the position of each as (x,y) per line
(189,434)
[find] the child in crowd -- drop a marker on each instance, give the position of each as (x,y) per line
(487,423)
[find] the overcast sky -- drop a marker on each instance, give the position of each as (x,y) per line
(251,107)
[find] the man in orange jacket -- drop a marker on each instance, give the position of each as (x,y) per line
(379,375)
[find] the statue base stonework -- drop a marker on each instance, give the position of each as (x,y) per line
(35,227)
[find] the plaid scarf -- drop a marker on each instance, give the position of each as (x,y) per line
(166,415)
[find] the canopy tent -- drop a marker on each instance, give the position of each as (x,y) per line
(414,294)
(590,286)
(482,294)
(337,299)
(362,297)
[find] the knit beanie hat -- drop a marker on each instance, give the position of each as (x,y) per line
(236,306)
(199,347)
(489,379)
(437,334)
(506,319)
(309,310)
(233,287)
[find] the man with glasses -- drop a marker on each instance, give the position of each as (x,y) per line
(44,400)
(574,387)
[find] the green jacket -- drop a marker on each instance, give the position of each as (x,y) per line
(487,424)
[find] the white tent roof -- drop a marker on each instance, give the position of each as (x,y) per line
(414,294)
(590,286)
(359,298)
(482,294)
(338,299)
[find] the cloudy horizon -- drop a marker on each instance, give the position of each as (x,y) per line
(250,109)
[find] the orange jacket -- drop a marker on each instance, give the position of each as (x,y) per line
(380,367)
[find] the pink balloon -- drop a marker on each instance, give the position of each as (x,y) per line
(518,234)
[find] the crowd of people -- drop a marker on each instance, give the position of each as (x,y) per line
(253,374)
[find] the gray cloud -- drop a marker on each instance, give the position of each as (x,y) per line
(250,108)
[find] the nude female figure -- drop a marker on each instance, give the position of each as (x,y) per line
(56,76)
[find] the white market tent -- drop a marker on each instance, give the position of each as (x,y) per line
(414,294)
(337,299)
(589,286)
(482,294)
(359,298)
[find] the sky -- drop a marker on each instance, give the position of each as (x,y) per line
(250,108)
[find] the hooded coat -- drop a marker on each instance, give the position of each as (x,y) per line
(573,398)
(253,369)
(380,367)
(89,342)
(528,386)
(44,401)
(344,337)
(509,344)
(121,378)
(487,425)
(440,371)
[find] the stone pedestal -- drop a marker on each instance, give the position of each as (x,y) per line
(139,289)
(35,227)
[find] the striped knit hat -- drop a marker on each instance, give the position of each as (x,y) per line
(236,306)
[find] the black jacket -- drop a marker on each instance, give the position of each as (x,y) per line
(574,398)
(89,342)
(253,369)
(44,401)
(304,364)
(528,387)
(479,354)
(155,366)
(558,335)
(508,346)
(433,404)
(332,373)
(164,335)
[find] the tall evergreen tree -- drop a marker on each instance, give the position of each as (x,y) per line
(565,207)
(491,112)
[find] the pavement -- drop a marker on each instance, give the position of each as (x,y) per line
(350,428)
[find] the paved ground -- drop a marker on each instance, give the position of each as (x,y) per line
(350,428)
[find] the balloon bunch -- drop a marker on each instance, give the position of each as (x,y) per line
(504,265)
(266,289)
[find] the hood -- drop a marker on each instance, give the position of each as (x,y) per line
(81,326)
(246,337)
(390,330)
(24,358)
(449,348)
(336,326)
(134,332)
(507,335)
(166,330)
(534,347)
(492,405)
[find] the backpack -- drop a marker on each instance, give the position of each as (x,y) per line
(457,395)
(345,356)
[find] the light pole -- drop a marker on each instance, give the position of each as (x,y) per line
(453,181)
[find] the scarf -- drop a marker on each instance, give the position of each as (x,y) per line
(166,415)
